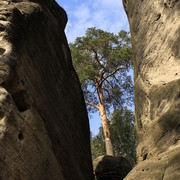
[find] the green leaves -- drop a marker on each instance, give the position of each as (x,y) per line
(102,60)
(123,136)
(98,145)
(95,57)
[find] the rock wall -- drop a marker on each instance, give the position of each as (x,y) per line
(155,30)
(44,129)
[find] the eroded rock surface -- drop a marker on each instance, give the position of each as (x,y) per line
(155,30)
(109,167)
(44,129)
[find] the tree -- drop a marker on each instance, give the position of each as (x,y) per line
(123,136)
(98,145)
(101,60)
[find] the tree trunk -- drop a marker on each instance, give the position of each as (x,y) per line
(108,143)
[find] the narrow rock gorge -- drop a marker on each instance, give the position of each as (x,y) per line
(155,31)
(44,129)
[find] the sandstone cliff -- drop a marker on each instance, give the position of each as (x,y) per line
(44,129)
(155,30)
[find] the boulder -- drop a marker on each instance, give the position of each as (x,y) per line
(110,167)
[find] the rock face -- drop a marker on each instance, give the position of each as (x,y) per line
(155,30)
(109,167)
(44,129)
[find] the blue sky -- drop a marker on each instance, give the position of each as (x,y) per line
(108,15)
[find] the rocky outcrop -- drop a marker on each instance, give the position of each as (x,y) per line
(155,27)
(109,167)
(44,129)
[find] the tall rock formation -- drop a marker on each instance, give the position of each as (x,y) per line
(44,129)
(155,30)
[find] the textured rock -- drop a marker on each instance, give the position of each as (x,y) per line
(109,167)
(155,27)
(44,129)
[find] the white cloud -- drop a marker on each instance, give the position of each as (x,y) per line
(82,13)
(107,4)
(104,14)
(77,30)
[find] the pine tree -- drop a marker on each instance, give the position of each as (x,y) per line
(101,60)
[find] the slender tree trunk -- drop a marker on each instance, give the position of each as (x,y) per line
(108,143)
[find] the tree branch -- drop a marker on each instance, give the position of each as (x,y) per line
(91,104)
(107,93)
(112,73)
(96,58)
(109,84)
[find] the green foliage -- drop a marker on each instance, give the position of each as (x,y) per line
(98,145)
(102,60)
(95,57)
(123,136)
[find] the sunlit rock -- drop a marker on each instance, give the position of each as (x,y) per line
(155,27)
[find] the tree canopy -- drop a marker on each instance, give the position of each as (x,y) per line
(103,58)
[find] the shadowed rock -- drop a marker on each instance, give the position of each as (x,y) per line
(44,129)
(109,167)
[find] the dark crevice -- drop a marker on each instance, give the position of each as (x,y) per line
(163,176)
(165,5)
(3,18)
(170,3)
(20,136)
(2,50)
(2,28)
(158,16)
(140,124)
(1,114)
(145,156)
(20,101)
